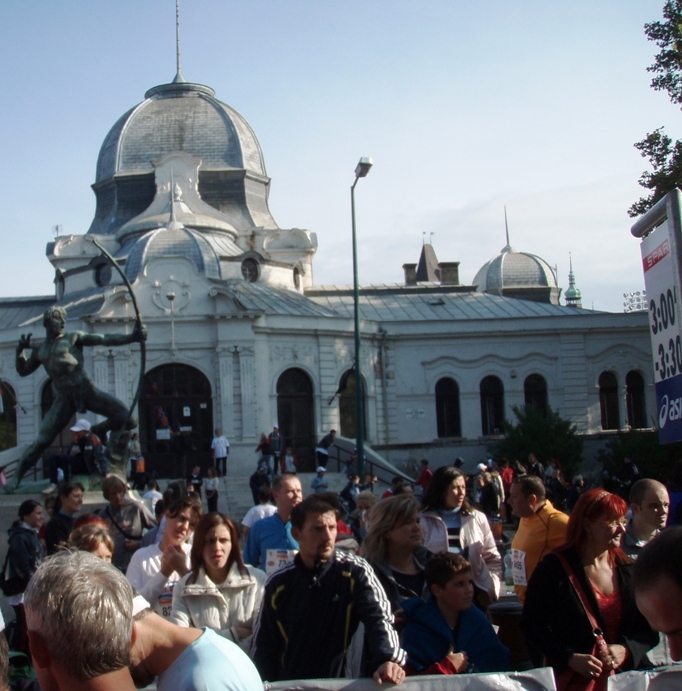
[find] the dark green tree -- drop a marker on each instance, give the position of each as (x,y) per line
(653,460)
(547,435)
(665,158)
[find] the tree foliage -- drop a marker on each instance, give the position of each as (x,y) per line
(546,435)
(653,460)
(665,158)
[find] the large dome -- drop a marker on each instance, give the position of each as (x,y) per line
(520,274)
(182,117)
(179,117)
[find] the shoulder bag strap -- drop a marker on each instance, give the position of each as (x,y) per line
(125,534)
(579,592)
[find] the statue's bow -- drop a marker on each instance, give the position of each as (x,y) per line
(143,345)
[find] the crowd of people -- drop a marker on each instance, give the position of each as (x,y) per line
(344,585)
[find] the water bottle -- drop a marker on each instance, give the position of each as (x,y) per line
(508,569)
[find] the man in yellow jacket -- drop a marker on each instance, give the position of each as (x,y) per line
(542,528)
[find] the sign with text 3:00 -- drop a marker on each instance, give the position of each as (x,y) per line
(664,325)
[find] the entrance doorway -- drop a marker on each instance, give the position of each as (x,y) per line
(296,417)
(176,420)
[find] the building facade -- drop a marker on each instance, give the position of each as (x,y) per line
(241,338)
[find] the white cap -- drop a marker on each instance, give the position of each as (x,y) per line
(321,469)
(482,467)
(81,426)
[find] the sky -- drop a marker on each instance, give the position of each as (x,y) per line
(464,106)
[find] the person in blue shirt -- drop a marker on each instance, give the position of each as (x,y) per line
(270,544)
(448,634)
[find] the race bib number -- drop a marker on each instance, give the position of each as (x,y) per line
(275,559)
(519,567)
(165,604)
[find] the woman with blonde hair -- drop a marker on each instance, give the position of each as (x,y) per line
(220,592)
(393,548)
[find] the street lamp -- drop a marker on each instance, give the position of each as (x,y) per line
(171,298)
(361,170)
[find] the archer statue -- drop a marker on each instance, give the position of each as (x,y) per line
(61,354)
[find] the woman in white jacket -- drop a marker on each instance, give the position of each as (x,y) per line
(449,523)
(220,592)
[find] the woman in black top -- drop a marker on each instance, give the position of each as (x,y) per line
(554,620)
(24,556)
(393,548)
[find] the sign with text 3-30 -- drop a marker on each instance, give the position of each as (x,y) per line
(664,325)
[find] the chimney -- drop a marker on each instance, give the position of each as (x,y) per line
(410,273)
(449,272)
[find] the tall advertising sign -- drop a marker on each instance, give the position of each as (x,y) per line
(661,265)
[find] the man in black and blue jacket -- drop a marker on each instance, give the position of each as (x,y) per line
(312,608)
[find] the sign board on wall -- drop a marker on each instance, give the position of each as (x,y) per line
(660,262)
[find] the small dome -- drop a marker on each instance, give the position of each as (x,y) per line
(179,117)
(172,242)
(572,293)
(512,269)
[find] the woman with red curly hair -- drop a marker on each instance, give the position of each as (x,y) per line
(580,610)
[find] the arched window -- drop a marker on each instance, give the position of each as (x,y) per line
(535,393)
(8,417)
(492,405)
(634,398)
(608,400)
(447,408)
(296,416)
(176,420)
(347,413)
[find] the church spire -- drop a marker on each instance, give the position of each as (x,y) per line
(178,79)
(506,226)
(573,296)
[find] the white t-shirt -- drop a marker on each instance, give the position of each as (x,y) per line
(144,574)
(255,513)
(151,498)
(221,447)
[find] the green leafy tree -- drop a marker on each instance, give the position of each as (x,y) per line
(665,157)
(547,435)
(652,459)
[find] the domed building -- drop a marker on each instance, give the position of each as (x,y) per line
(241,338)
(519,275)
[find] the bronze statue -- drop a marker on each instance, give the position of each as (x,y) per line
(61,354)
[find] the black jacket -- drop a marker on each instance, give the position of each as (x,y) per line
(57,532)
(395,592)
(308,618)
(25,552)
(554,620)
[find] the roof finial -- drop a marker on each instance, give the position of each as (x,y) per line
(506,226)
(175,195)
(572,295)
(179,79)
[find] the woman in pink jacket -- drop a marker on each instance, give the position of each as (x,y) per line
(448,522)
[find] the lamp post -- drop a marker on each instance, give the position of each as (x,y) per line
(361,171)
(171,298)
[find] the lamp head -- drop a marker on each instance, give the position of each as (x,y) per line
(171,296)
(361,170)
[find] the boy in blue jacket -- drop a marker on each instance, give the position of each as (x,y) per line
(448,634)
